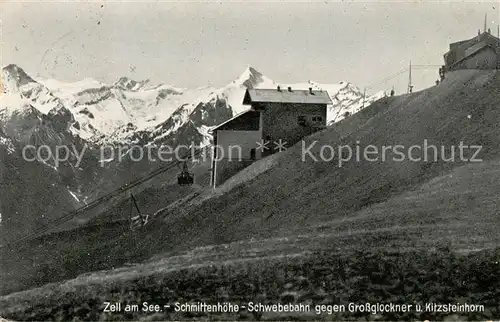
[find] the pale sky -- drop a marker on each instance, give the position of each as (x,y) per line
(191,44)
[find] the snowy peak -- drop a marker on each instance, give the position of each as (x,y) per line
(17,74)
(349,100)
(66,90)
(128,84)
(233,93)
(22,94)
(250,78)
(15,77)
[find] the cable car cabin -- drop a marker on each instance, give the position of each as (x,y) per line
(185,178)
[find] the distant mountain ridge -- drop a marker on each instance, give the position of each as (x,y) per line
(131,112)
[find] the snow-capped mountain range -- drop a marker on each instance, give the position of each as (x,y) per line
(131,111)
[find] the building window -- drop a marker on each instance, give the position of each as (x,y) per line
(317,119)
(252,154)
(301,120)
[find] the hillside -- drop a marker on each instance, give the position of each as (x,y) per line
(293,194)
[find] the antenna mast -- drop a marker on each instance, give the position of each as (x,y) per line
(410,86)
(364,97)
(485,19)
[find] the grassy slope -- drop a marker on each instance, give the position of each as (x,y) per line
(262,275)
(362,204)
(74,251)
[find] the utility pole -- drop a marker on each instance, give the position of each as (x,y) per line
(133,203)
(410,86)
(137,207)
(130,221)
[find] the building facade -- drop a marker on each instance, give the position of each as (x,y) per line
(275,115)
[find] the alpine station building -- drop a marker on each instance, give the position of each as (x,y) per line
(275,115)
(480,52)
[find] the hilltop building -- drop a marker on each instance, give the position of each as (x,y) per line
(480,52)
(275,115)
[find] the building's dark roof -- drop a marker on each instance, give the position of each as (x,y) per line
(285,96)
(461,50)
(477,47)
(245,121)
(455,45)
(465,44)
